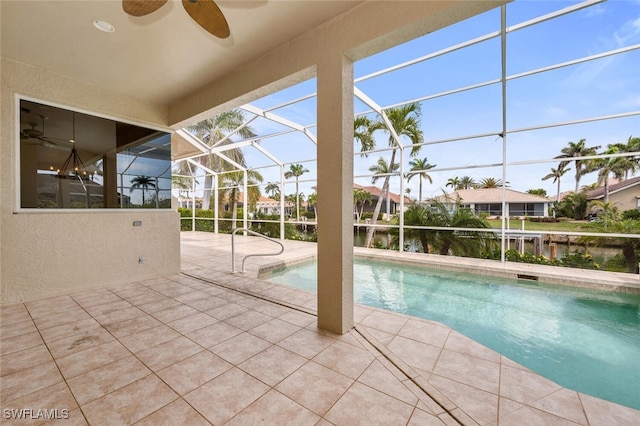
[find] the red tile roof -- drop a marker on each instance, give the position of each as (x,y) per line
(377,192)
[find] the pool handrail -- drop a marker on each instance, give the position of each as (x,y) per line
(249,231)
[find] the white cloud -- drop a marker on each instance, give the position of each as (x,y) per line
(628,33)
(588,72)
(594,11)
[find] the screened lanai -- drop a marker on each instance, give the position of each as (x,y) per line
(495,100)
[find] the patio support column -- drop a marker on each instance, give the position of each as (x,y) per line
(216,201)
(335,193)
(282,202)
(245,199)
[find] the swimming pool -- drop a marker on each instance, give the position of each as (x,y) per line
(584,340)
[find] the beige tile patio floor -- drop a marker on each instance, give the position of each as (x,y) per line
(231,349)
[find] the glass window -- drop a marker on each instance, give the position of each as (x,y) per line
(72,160)
(526,209)
(492,209)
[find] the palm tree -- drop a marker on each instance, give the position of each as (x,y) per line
(467,182)
(418,215)
(360,198)
(408,192)
(296,170)
(541,192)
(606,166)
(363,134)
(301,196)
(463,243)
(290,198)
(491,182)
(211,131)
(419,167)
(605,210)
(556,174)
(614,223)
(381,170)
(454,183)
(144,183)
(405,120)
(575,150)
(312,200)
(273,189)
(182,184)
(233,181)
(574,205)
(440,215)
(629,165)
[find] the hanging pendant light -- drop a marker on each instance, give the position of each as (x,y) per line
(73,163)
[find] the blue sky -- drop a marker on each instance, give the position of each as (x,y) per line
(598,88)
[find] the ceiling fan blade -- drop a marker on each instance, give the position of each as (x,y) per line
(141,7)
(40,142)
(46,140)
(208,15)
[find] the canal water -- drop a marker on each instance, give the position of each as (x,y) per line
(599,254)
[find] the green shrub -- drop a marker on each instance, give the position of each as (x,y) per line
(547,219)
(577,259)
(313,237)
(369,215)
(513,255)
(205,223)
(616,263)
(631,214)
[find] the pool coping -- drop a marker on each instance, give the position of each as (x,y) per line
(557,275)
(444,403)
(376,322)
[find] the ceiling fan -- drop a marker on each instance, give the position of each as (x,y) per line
(35,136)
(205,12)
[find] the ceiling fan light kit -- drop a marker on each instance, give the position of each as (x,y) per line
(32,133)
(205,12)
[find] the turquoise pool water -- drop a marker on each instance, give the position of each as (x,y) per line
(584,340)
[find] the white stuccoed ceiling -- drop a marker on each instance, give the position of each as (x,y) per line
(161,57)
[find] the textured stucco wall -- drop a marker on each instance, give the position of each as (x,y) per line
(50,253)
(626,199)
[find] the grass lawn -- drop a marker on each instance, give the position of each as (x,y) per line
(563,225)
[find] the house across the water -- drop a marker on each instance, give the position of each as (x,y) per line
(489,200)
(625,195)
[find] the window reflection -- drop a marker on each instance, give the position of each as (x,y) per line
(73,160)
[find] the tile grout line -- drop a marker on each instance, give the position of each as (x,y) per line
(403,368)
(207,349)
(256,296)
(355,328)
(234,365)
(180,397)
(64,379)
(152,372)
